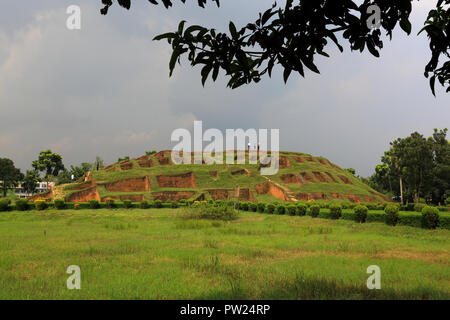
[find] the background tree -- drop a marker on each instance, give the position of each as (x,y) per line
(81,170)
(440,185)
(10,176)
(78,172)
(30,181)
(49,162)
(293,35)
(415,167)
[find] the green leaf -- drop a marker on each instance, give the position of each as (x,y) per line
(233,31)
(173,60)
(432,81)
(168,35)
(205,72)
(406,25)
(309,64)
(286,74)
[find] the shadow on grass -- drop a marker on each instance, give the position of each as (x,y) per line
(301,288)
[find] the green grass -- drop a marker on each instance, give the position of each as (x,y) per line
(156,254)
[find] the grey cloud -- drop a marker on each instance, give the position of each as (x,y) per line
(105,89)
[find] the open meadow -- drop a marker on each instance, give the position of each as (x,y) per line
(160,254)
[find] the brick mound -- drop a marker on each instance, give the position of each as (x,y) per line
(220,194)
(319,176)
(246,195)
(123,197)
(380,196)
(369,199)
(164,157)
(241,172)
(145,162)
(325,162)
(129,185)
(172,195)
(298,159)
(228,194)
(305,177)
(126,165)
(290,178)
(336,167)
(311,196)
(84,195)
(47,196)
(345,179)
(270,188)
(336,196)
(185,180)
(309,159)
(331,177)
(353,198)
(84,185)
(283,163)
(201,197)
(113,169)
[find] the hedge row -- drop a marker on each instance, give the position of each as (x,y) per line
(429,217)
(360,213)
(23,205)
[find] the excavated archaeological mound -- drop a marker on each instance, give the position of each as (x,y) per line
(300,177)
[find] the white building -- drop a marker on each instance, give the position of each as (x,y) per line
(41,187)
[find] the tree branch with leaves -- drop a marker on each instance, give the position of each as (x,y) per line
(294,35)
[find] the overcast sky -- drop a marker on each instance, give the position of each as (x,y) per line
(104,90)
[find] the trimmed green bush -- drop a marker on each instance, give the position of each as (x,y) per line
(127,204)
(292,209)
(411,207)
(444,222)
(391,214)
(253,207)
(301,209)
(225,213)
(361,213)
(174,204)
(281,209)
(158,204)
(22,204)
(411,219)
(270,208)
(315,210)
(144,204)
(40,205)
(418,207)
(336,211)
(4,204)
(430,217)
(93,204)
(60,204)
(261,207)
(110,204)
(243,206)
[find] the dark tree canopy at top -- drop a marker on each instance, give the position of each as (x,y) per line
(293,35)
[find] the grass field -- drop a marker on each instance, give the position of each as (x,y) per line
(156,254)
